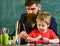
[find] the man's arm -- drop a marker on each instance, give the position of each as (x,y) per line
(53,25)
(21,21)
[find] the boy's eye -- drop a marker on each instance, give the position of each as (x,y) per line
(43,25)
(38,24)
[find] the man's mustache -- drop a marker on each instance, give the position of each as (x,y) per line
(32,14)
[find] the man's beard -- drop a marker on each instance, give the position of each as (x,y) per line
(32,18)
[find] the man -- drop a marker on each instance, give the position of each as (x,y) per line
(27,21)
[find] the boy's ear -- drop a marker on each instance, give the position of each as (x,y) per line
(48,25)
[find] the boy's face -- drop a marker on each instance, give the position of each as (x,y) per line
(42,26)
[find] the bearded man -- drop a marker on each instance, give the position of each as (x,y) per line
(27,21)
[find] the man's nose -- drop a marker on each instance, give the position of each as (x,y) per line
(30,11)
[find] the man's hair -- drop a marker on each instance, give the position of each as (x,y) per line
(30,2)
(44,16)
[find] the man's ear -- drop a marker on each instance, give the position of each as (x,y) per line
(39,7)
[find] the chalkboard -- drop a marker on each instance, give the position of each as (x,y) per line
(10,11)
(52,6)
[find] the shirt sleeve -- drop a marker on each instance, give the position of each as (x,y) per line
(32,34)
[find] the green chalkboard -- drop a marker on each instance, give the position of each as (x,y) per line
(53,6)
(10,11)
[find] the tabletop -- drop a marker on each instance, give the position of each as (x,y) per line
(33,45)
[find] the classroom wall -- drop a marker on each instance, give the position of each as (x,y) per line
(10,11)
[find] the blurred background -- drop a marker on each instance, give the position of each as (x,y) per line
(10,11)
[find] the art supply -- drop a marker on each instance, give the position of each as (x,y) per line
(16,39)
(24,27)
(39,44)
(0,37)
(25,30)
(5,38)
(16,30)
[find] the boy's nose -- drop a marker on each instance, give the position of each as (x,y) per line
(40,27)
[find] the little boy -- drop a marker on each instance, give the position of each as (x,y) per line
(43,35)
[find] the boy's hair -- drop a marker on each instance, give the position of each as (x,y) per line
(44,16)
(30,2)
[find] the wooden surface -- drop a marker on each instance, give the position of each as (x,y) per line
(33,45)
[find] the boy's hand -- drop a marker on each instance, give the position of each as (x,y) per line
(45,39)
(39,37)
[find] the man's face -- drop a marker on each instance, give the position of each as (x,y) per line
(32,10)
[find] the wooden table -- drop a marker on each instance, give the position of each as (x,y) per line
(34,45)
(52,45)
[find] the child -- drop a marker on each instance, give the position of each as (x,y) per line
(43,35)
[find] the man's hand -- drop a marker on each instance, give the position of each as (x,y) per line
(23,35)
